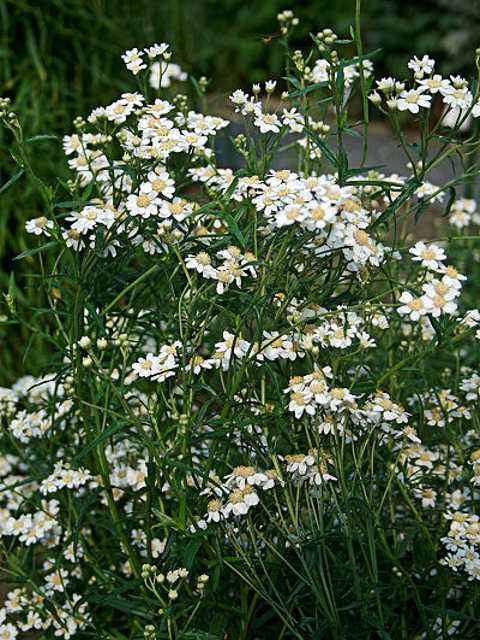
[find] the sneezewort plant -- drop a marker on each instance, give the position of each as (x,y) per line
(261,416)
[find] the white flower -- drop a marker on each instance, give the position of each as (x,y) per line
(148,366)
(39,226)
(412,100)
(231,345)
(270,86)
(157,50)
(133,60)
(194,140)
(118,111)
(8,631)
(457,98)
(89,217)
(448,289)
(413,307)
(430,256)
(300,402)
(202,263)
(290,214)
(135,99)
(162,183)
(73,239)
(435,84)
(319,214)
(158,547)
(56,581)
(267,122)
(239,98)
(178,208)
(159,108)
(299,464)
(293,120)
(146,203)
(440,298)
(452,277)
(162,74)
(386,85)
(239,502)
(375,98)
(214,511)
(421,66)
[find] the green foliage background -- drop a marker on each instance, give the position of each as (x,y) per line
(60,58)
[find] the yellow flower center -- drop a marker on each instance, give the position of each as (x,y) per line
(143,201)
(158,184)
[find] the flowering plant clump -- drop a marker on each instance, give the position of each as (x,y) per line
(260,417)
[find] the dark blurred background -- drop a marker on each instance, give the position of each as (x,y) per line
(61,58)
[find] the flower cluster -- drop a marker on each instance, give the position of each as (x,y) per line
(426,84)
(259,374)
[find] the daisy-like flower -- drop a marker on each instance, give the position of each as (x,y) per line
(338,399)
(197,364)
(421,66)
(452,277)
(412,100)
(146,203)
(158,547)
(162,183)
(319,214)
(442,288)
(267,122)
(89,217)
(148,366)
(133,59)
(134,99)
(239,98)
(159,108)
(275,346)
(237,504)
(431,256)
(231,345)
(39,226)
(289,215)
(293,120)
(8,631)
(202,263)
(118,111)
(300,403)
(194,140)
(458,98)
(435,84)
(242,476)
(73,239)
(56,581)
(327,425)
(427,496)
(411,306)
(439,304)
(74,143)
(299,464)
(178,208)
(224,277)
(430,191)
(214,511)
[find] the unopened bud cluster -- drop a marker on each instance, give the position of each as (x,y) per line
(326,39)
